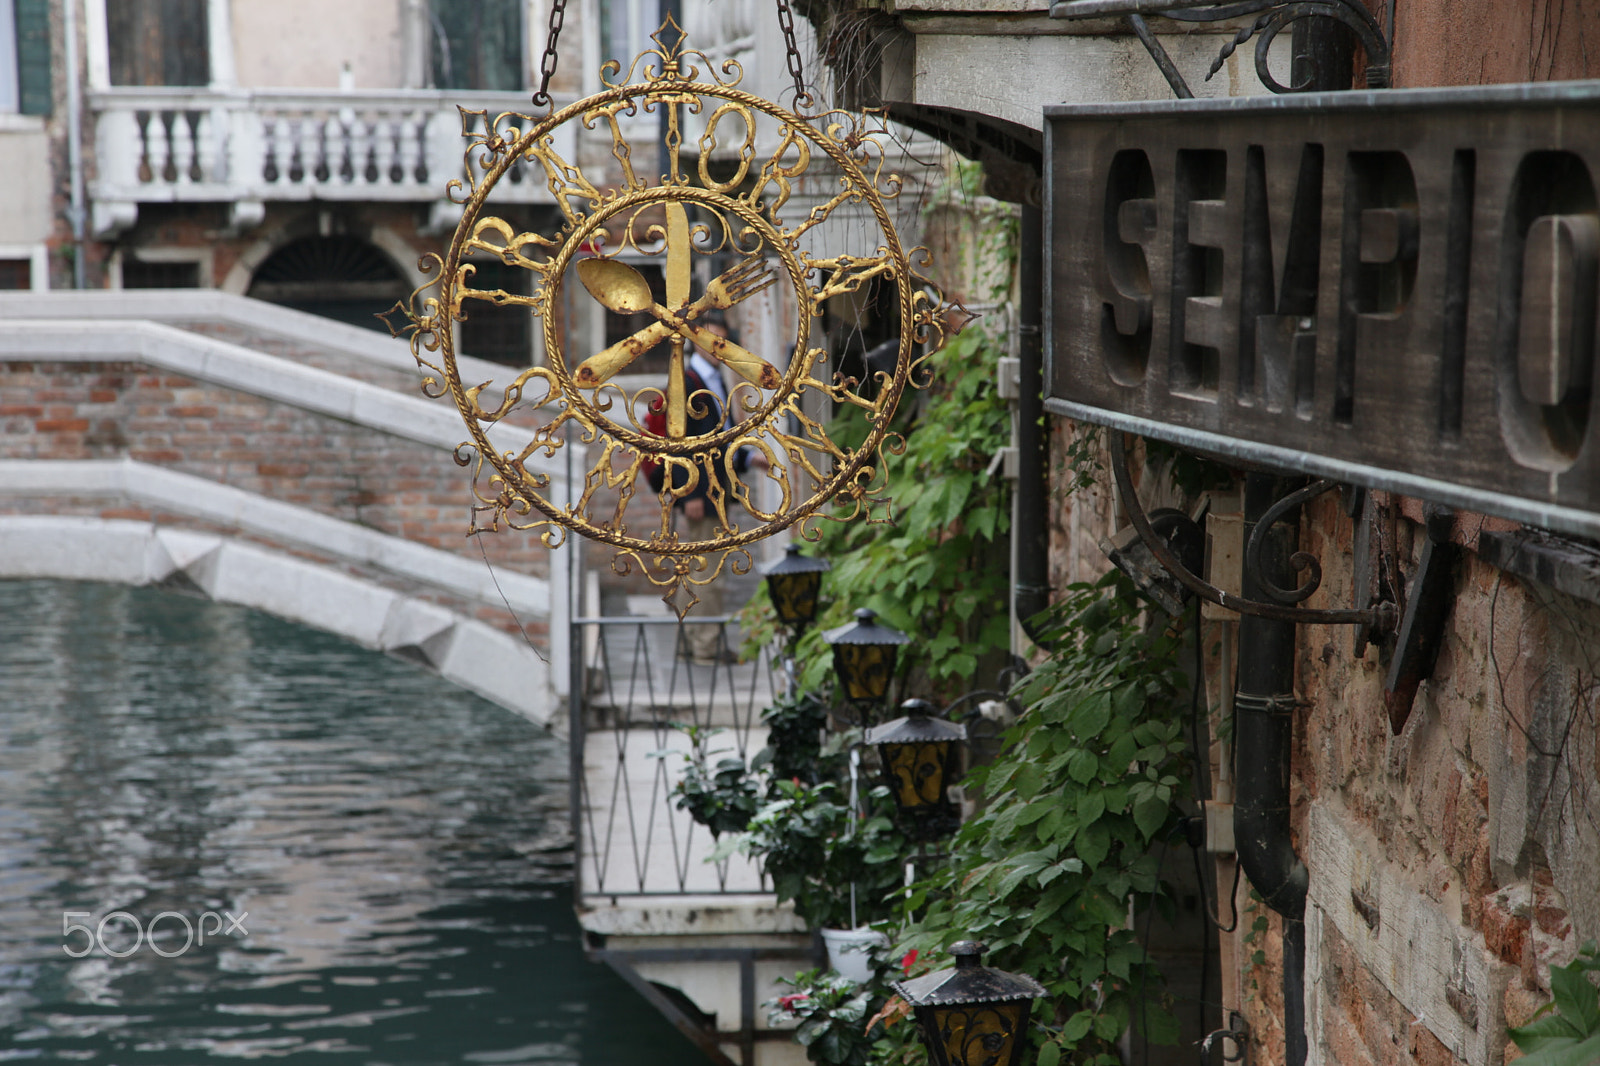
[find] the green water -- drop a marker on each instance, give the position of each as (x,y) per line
(398,846)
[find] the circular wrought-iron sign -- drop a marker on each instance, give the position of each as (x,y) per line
(726,226)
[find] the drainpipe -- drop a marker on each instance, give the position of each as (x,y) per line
(1263,734)
(75,212)
(1030,534)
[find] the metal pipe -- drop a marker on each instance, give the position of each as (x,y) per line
(75,209)
(1030,534)
(1263,741)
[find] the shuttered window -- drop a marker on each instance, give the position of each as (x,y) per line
(477,44)
(158,42)
(33,56)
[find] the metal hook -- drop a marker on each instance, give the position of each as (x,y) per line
(1382,615)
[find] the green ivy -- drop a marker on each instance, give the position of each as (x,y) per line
(1566,1031)
(940,572)
(1074,809)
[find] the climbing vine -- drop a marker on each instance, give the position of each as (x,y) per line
(1075,812)
(940,572)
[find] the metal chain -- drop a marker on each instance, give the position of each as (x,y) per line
(547,64)
(792,55)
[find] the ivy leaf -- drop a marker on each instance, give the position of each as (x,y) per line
(1091,805)
(1575,997)
(1077,1026)
(1150,814)
(1083,766)
(1106,1027)
(1091,714)
(1050,1053)
(1094,842)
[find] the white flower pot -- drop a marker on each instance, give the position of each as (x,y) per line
(850,951)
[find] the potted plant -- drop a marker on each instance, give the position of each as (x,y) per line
(837,867)
(722,798)
(832,1011)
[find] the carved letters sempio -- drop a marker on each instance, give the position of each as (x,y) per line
(1397,287)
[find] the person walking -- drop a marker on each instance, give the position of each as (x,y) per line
(694,516)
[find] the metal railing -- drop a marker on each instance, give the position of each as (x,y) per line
(632,688)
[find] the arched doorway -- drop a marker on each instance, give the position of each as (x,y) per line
(339,277)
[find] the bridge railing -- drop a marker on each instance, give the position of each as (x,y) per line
(632,691)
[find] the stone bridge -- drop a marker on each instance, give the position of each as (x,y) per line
(266,457)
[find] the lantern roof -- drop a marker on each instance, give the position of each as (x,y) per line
(917,727)
(968,981)
(793,562)
(865,630)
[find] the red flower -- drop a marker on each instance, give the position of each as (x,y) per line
(909,961)
(787,1002)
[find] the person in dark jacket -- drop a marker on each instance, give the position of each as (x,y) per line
(694,515)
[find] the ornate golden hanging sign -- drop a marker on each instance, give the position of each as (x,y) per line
(734,226)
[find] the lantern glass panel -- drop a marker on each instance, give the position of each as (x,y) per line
(864,669)
(794,596)
(976,1034)
(917,772)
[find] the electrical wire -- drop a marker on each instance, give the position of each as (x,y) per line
(520,628)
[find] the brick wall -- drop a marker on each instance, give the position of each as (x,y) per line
(112,410)
(1452,864)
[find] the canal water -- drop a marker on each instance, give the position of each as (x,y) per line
(376,859)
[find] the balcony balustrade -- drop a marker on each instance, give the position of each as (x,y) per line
(249,147)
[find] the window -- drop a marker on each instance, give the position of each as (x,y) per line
(158,42)
(25,56)
(16,274)
(477,44)
(625,28)
(159,274)
(339,277)
(497,333)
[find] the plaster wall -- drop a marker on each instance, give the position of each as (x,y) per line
(305,44)
(25,210)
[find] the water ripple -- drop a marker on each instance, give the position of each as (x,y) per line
(394,846)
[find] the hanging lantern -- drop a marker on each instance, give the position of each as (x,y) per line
(919,754)
(793,585)
(863,656)
(971,1015)
(655,192)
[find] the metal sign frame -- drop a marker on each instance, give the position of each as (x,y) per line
(1395,289)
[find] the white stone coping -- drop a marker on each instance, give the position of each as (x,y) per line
(275,521)
(709,914)
(226,308)
(270,377)
(464,651)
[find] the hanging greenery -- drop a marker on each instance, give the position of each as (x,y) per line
(940,572)
(1075,813)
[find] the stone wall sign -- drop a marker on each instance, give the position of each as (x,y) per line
(1397,289)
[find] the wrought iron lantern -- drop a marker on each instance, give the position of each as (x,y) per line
(971,1015)
(919,757)
(863,656)
(793,584)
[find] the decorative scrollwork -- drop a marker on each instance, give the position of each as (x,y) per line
(736,232)
(1273,17)
(1381,616)
(1299,560)
(1278,17)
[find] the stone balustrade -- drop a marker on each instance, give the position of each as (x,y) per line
(246,147)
